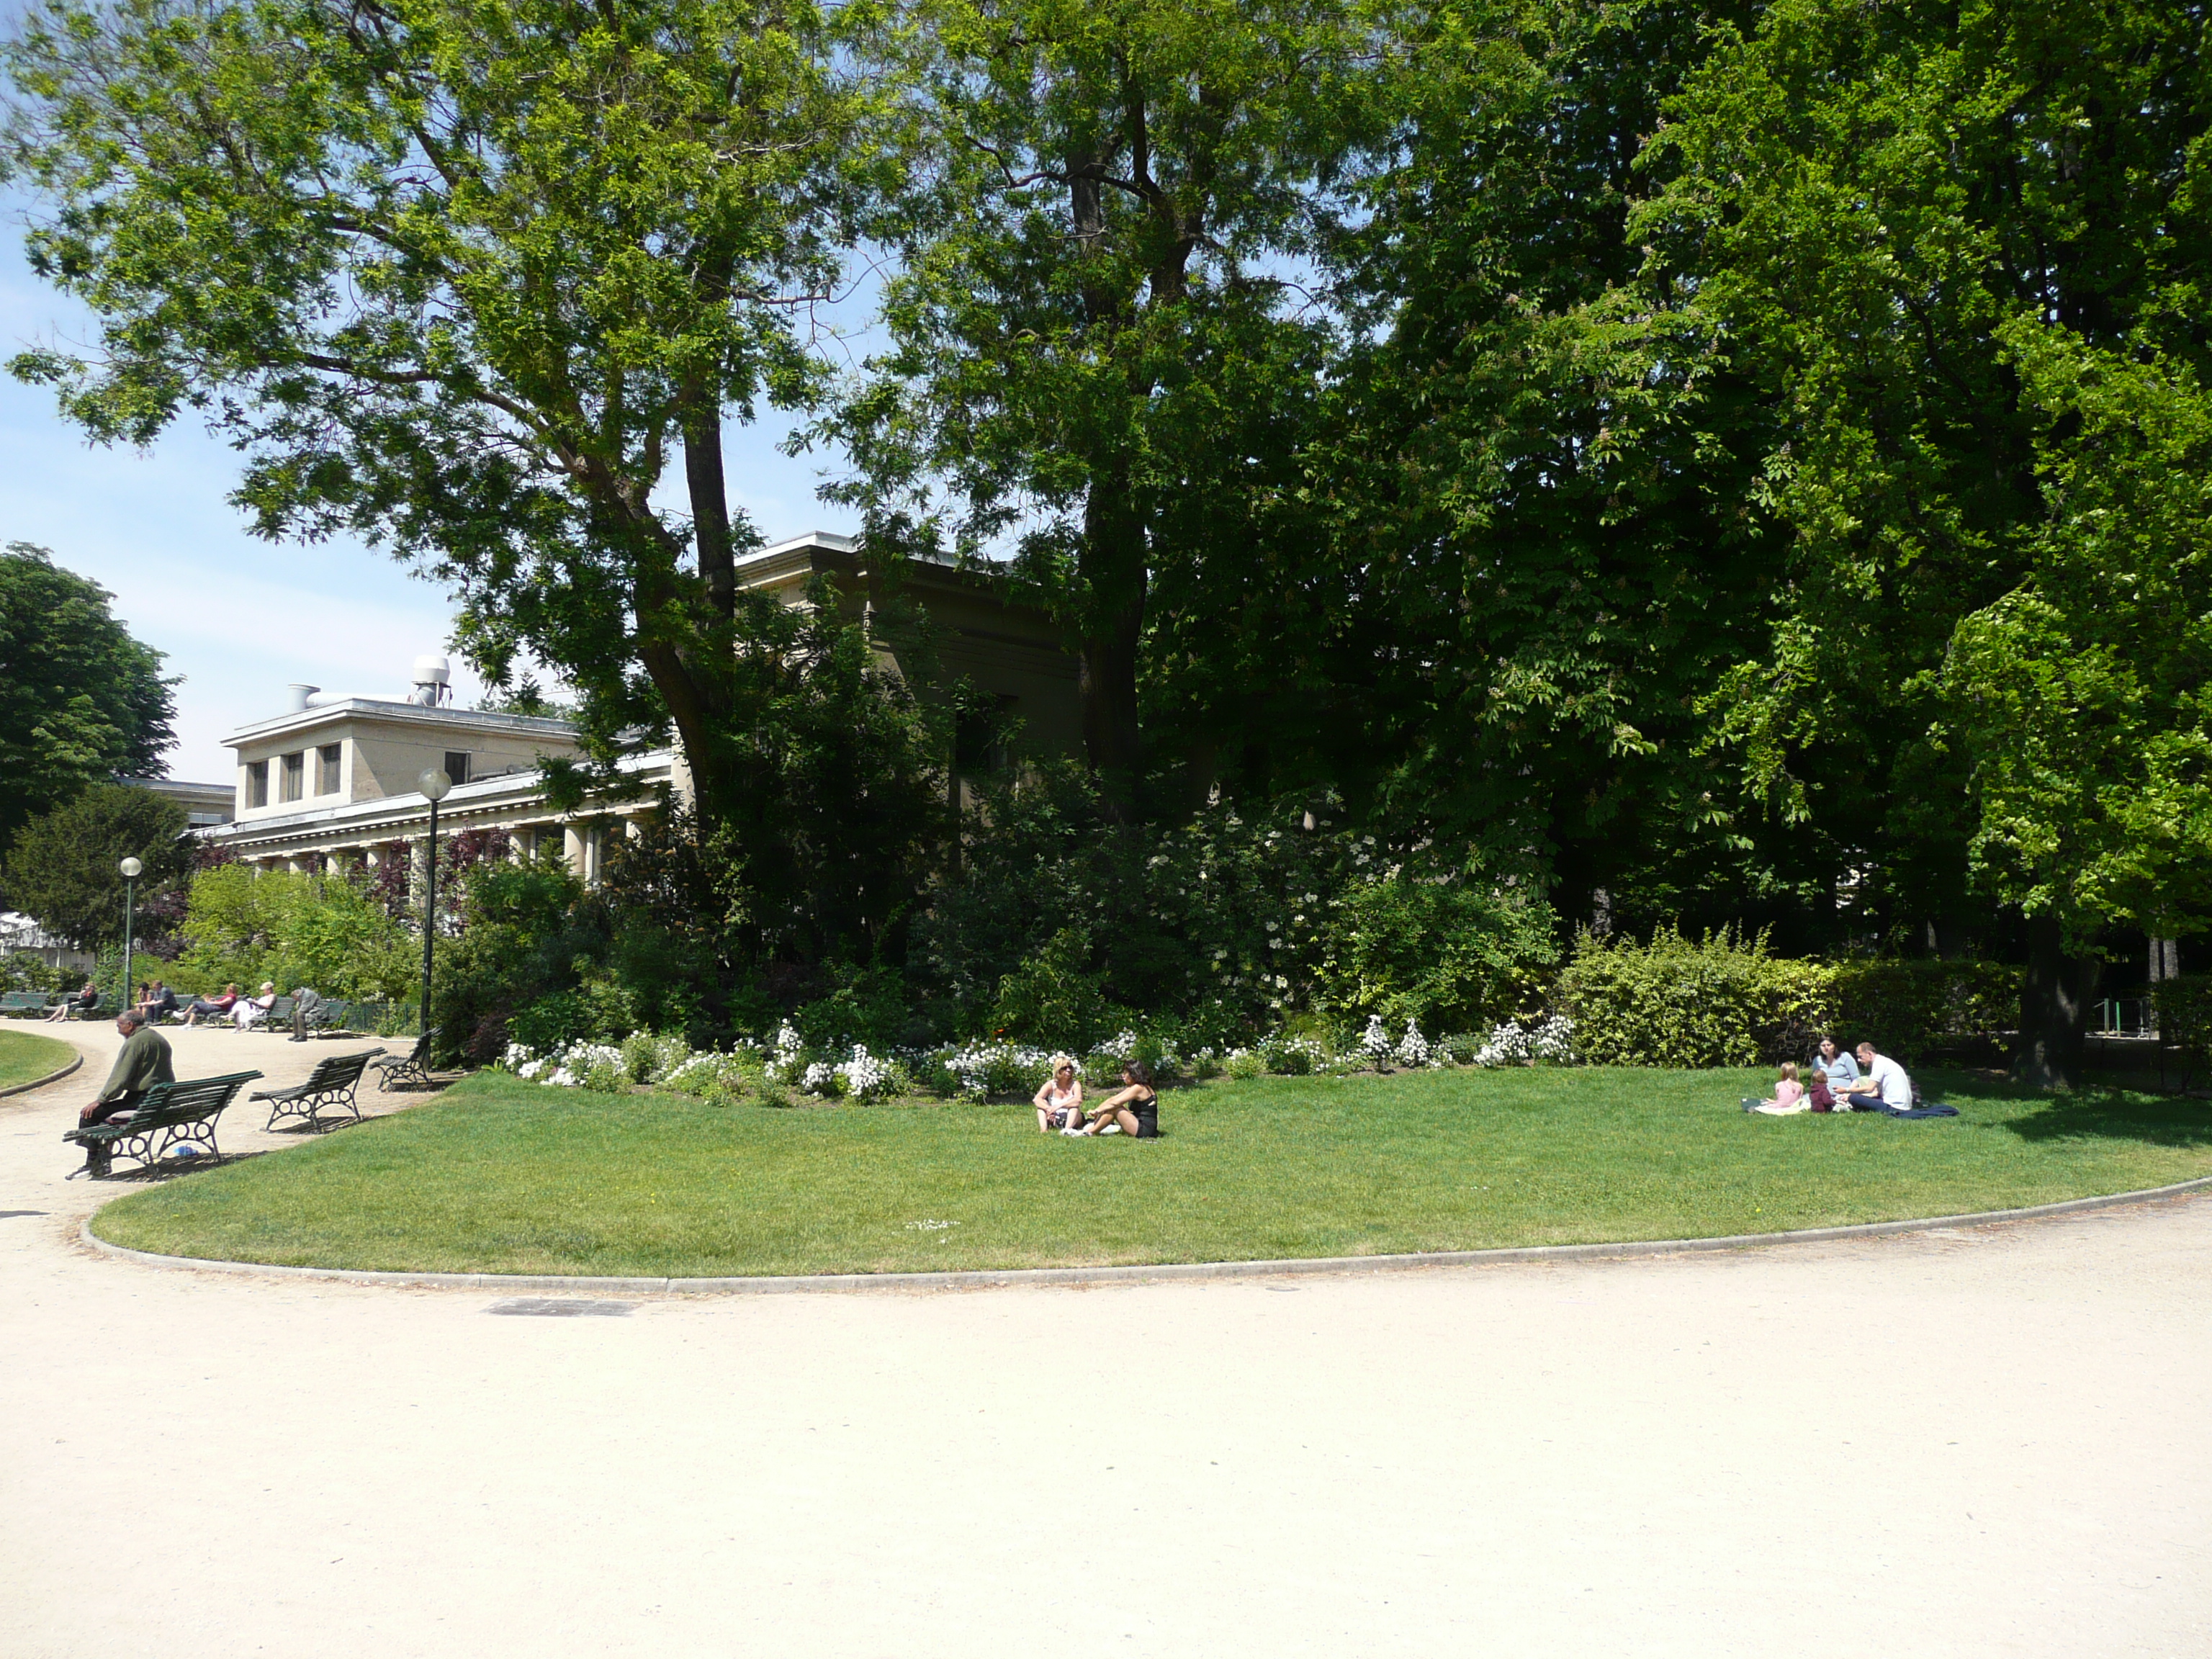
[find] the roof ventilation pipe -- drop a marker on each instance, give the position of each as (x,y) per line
(295,697)
(433,681)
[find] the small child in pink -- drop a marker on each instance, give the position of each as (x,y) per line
(1789,1094)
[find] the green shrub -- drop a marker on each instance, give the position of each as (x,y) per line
(1244,1063)
(1053,998)
(869,1006)
(1721,1000)
(1906,1008)
(2184,1016)
(1435,949)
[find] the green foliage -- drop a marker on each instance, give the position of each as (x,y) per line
(62,870)
(2184,1015)
(869,1006)
(1719,1000)
(79,700)
(26,970)
(1436,948)
(1053,1000)
(467,279)
(246,928)
(1216,920)
(1087,346)
(1907,1008)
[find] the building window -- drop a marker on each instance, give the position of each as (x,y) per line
(327,769)
(257,783)
(457,765)
(295,776)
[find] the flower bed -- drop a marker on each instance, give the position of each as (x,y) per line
(771,1069)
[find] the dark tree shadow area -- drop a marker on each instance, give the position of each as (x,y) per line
(2090,1113)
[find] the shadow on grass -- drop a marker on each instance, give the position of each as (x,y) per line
(153,1174)
(2093,1112)
(2117,1117)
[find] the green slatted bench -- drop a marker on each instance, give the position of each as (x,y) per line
(332,1084)
(171,1114)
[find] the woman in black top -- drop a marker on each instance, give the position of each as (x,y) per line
(1136,1109)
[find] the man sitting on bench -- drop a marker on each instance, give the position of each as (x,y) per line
(143,1062)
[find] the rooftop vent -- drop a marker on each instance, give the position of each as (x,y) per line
(434,680)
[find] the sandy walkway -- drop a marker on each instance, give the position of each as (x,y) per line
(1991,1443)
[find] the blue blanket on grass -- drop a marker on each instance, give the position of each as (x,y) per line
(1921,1111)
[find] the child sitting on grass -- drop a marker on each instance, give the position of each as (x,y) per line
(1788,1095)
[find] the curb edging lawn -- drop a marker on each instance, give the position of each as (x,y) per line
(51,1076)
(987,1278)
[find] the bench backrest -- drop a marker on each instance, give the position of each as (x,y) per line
(281,1009)
(339,1070)
(187,1101)
(14,999)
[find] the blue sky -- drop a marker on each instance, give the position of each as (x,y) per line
(239,619)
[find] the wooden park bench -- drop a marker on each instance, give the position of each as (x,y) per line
(393,1071)
(168,1115)
(18,1005)
(332,1083)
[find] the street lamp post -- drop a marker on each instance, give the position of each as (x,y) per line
(433,784)
(131,870)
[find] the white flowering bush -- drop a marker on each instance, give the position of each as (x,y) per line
(1552,1042)
(649,1059)
(1374,1042)
(708,1076)
(980,1069)
(1413,1049)
(1244,1063)
(786,1056)
(596,1065)
(865,1077)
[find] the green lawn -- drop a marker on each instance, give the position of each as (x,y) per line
(25,1057)
(502,1176)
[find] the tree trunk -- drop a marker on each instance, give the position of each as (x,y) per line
(1114,579)
(2055,999)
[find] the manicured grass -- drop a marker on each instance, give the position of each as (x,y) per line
(25,1057)
(502,1176)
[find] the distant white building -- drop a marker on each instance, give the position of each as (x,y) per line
(330,781)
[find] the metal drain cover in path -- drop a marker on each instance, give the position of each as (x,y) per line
(560,1307)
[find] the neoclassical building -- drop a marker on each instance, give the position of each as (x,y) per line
(331,781)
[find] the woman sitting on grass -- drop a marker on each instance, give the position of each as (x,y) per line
(1788,1095)
(1060,1102)
(1135,1111)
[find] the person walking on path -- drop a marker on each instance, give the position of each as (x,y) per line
(143,1061)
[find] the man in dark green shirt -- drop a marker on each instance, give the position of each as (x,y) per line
(144,1061)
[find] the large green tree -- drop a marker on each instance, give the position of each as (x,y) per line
(64,868)
(479,280)
(1536,476)
(81,701)
(1960,250)
(1098,337)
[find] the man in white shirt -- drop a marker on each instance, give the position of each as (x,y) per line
(1884,1079)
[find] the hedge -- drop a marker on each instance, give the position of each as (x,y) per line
(1723,1000)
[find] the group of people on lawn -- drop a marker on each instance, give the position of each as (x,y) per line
(1840,1082)
(1135,1110)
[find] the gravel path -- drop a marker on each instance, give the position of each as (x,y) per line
(1986,1442)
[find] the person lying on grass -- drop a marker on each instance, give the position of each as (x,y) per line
(1135,1111)
(1788,1095)
(1060,1102)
